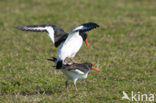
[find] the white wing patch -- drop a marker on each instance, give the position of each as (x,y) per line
(81,27)
(33,28)
(50,33)
(49,29)
(77,28)
(78,71)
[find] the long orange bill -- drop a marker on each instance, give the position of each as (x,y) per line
(86,44)
(95,69)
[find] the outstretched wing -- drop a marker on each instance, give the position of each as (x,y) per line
(83,28)
(56,34)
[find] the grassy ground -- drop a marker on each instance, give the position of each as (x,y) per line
(124,48)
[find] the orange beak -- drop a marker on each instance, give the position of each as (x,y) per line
(95,69)
(86,44)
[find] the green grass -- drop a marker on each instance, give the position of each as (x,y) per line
(124,48)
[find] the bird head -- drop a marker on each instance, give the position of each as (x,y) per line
(84,28)
(90,66)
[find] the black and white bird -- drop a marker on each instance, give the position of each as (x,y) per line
(70,43)
(75,71)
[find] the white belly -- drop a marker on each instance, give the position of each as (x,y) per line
(73,75)
(70,47)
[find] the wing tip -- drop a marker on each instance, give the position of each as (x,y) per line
(19,28)
(91,24)
(23,28)
(31,28)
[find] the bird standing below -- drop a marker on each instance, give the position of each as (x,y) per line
(75,71)
(69,43)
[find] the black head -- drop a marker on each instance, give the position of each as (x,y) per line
(88,65)
(84,28)
(83,35)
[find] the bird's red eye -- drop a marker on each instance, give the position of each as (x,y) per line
(90,64)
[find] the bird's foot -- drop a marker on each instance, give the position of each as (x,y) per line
(68,63)
(75,87)
(66,84)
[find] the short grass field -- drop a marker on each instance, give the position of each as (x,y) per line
(123,48)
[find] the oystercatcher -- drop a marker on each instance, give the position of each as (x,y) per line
(70,43)
(75,71)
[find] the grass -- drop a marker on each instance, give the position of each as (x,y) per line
(124,48)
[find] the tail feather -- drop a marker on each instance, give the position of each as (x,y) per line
(34,28)
(53,59)
(59,65)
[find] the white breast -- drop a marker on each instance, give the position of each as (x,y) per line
(71,46)
(72,75)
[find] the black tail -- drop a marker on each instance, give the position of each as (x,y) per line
(59,65)
(53,59)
